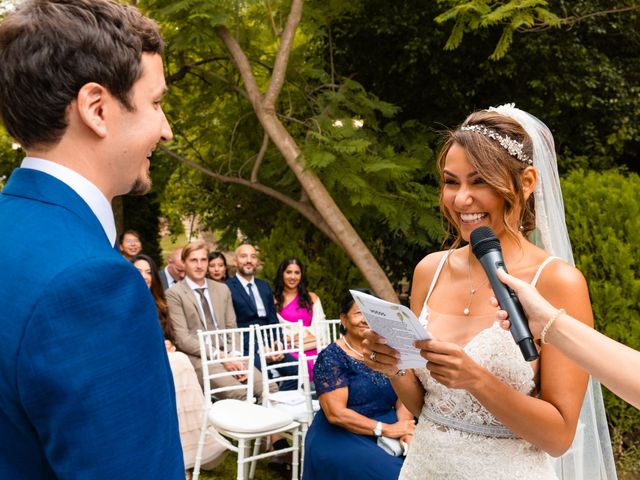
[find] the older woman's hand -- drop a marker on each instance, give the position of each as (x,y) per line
(449,364)
(378,355)
(399,429)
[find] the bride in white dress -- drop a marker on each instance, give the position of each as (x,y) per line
(484,412)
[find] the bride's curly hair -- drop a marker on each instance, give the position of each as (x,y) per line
(501,170)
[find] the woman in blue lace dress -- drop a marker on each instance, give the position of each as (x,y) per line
(358,405)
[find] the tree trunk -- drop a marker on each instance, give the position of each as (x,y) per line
(264,106)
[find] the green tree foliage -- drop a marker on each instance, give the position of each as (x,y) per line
(603,217)
(583,82)
(142,214)
(10,156)
(374,172)
(329,270)
(511,16)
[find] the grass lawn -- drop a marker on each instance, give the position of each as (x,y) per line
(228,470)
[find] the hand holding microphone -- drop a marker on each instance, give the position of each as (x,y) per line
(537,309)
(486,247)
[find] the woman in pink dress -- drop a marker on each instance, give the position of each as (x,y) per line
(294,302)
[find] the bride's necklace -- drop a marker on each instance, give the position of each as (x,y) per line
(344,339)
(472,292)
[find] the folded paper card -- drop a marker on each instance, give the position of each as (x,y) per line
(397,324)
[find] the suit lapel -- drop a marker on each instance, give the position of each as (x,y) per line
(217,303)
(245,295)
(190,300)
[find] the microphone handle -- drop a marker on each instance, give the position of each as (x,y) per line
(491,261)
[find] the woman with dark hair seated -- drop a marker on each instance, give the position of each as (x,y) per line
(358,406)
(217,269)
(295,302)
(189,397)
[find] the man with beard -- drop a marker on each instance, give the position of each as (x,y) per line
(86,389)
(253,304)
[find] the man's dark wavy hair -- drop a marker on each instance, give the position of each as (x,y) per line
(49,49)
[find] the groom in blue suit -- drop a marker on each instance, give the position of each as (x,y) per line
(85,386)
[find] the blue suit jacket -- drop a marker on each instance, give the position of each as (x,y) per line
(85,384)
(246,313)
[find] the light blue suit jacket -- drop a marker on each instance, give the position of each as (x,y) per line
(85,386)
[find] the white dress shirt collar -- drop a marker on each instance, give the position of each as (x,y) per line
(193,285)
(91,194)
(170,280)
(244,282)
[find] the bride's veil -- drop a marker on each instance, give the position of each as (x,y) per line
(590,456)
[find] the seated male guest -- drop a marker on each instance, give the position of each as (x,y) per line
(197,303)
(174,271)
(253,304)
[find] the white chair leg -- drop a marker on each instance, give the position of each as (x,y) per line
(296,455)
(203,434)
(256,450)
(241,456)
(303,434)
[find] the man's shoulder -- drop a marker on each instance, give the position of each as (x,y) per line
(176,291)
(232,282)
(262,284)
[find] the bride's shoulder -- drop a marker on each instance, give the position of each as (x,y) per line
(558,273)
(428,265)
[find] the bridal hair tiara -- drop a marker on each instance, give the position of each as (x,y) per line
(509,144)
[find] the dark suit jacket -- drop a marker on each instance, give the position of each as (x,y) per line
(163,279)
(166,284)
(246,313)
(85,385)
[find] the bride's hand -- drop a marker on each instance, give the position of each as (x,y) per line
(449,364)
(385,359)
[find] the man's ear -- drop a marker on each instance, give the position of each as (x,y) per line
(94,103)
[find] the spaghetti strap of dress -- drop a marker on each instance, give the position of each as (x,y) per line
(423,313)
(541,267)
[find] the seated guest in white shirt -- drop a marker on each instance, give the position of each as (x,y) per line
(174,271)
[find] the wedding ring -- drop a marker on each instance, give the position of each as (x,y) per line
(373,356)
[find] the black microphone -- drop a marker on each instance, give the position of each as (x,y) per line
(486,247)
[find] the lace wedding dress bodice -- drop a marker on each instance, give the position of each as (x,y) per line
(457,438)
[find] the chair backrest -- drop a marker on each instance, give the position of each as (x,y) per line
(327,331)
(285,338)
(279,339)
(231,343)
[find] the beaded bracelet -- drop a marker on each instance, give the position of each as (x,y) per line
(553,318)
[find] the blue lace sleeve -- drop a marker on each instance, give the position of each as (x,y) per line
(330,370)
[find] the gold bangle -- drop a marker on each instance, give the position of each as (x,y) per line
(553,318)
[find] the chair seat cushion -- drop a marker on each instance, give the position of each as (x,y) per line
(244,417)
